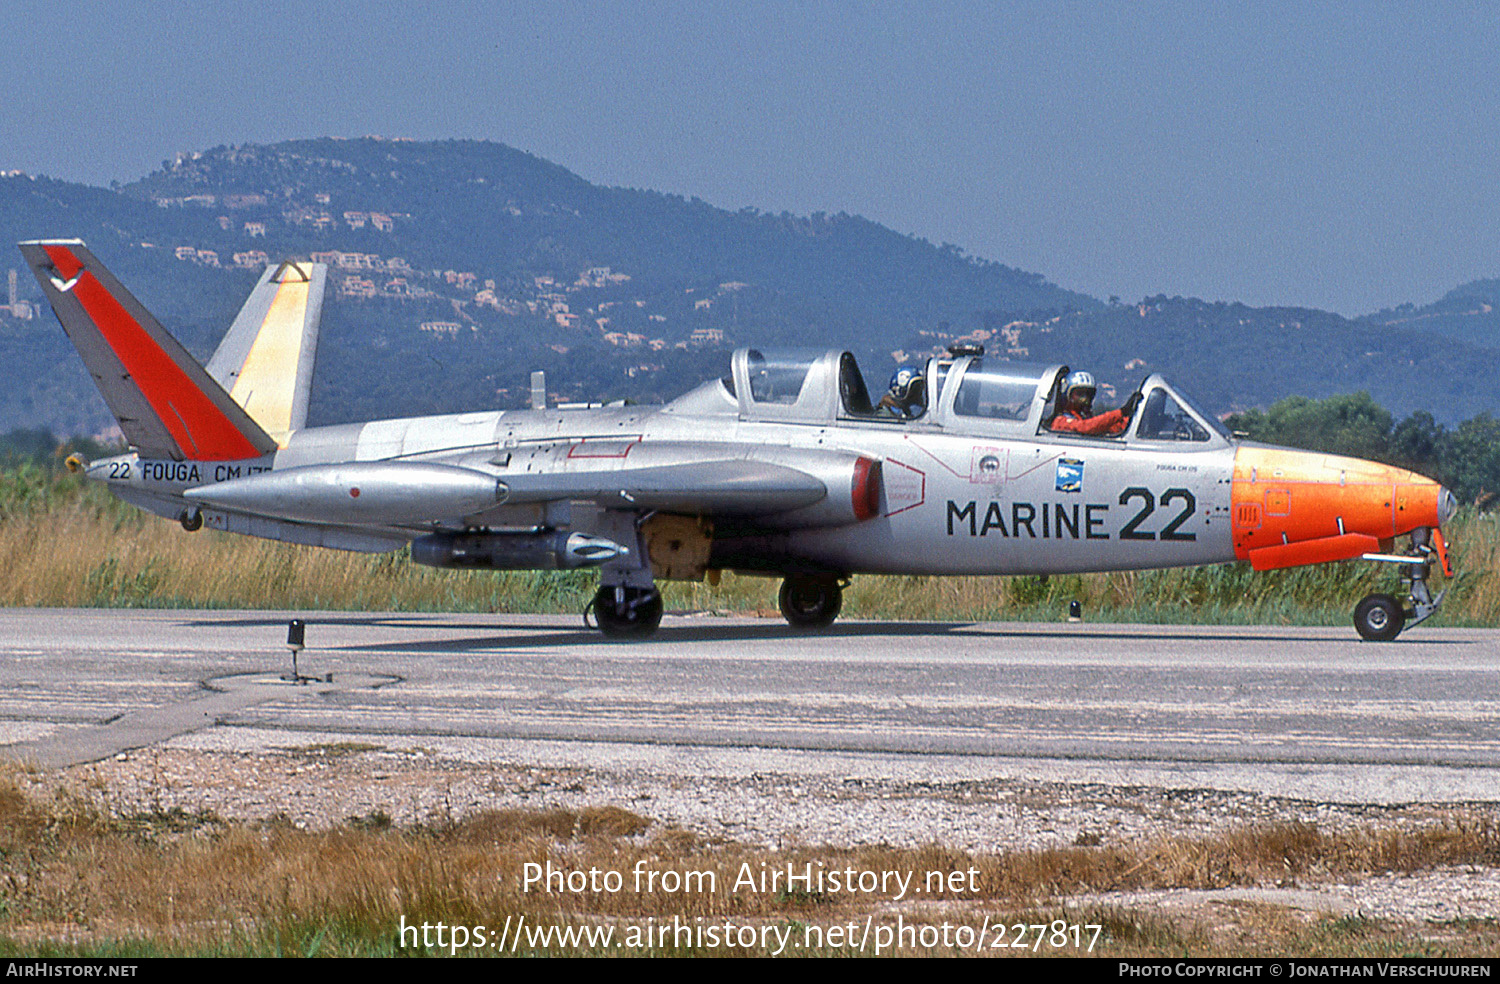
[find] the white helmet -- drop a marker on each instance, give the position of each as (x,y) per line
(1079,380)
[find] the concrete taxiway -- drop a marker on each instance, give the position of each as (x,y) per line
(1303,712)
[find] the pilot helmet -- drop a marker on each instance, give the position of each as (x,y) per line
(1079,383)
(904,382)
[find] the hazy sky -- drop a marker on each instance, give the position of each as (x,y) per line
(1344,156)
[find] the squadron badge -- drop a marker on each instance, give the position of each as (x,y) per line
(1069,475)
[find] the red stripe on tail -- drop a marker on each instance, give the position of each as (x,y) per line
(195,423)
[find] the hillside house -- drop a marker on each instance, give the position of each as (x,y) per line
(357,287)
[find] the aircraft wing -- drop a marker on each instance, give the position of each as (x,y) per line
(266,359)
(819,488)
(735,487)
(790,486)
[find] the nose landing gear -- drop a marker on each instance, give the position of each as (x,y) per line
(1380,617)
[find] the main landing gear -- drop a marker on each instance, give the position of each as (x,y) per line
(1380,617)
(631,613)
(628,604)
(626,613)
(811,601)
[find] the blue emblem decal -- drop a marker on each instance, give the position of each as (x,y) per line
(1069,475)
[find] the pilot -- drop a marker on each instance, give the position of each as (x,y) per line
(907,396)
(1077,414)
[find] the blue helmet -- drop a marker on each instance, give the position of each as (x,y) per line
(903,382)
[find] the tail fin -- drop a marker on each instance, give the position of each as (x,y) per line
(167,404)
(266,359)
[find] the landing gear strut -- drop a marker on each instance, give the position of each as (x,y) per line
(810,602)
(627,605)
(1380,617)
(627,613)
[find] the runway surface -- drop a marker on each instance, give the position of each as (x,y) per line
(1301,712)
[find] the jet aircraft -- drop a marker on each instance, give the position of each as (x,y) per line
(785,467)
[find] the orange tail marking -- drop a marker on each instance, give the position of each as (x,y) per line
(199,427)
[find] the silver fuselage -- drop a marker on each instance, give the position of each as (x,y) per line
(951,503)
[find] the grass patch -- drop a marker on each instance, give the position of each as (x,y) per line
(68,543)
(78,881)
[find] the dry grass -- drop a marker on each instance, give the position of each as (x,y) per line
(73,546)
(66,544)
(76,880)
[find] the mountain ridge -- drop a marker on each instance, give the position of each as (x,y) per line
(459,266)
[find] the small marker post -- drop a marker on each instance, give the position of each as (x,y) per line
(296,632)
(1075,611)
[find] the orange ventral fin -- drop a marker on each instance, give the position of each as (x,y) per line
(1320,551)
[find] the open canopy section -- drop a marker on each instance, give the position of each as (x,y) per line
(821,387)
(1011,395)
(801,385)
(964,394)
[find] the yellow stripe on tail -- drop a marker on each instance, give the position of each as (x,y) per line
(267,384)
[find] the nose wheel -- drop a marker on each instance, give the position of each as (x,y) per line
(1379,618)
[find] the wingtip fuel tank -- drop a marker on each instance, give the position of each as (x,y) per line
(394,493)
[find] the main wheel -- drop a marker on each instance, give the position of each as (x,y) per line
(627,613)
(810,602)
(1379,618)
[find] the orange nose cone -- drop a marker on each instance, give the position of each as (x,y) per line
(1416,502)
(1300,507)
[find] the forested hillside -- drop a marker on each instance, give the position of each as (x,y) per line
(459,266)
